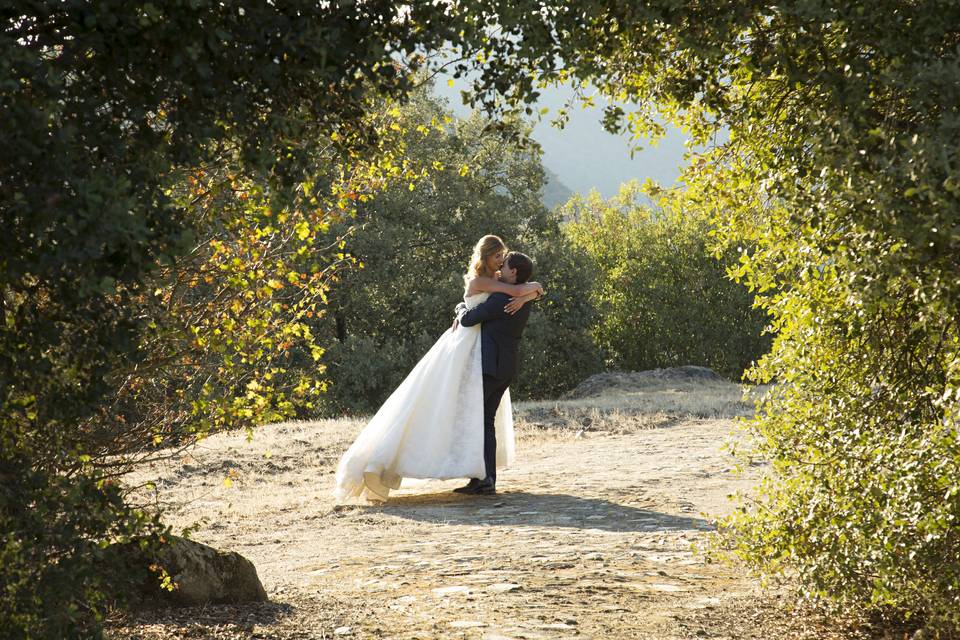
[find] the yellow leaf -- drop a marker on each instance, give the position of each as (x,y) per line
(450,82)
(303,230)
(227,482)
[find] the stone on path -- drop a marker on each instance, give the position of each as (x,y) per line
(503,587)
(446,591)
(555,626)
(658,586)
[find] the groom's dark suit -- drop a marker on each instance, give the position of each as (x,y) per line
(500,335)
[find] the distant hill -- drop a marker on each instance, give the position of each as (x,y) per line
(555,192)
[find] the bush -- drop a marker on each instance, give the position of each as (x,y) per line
(54,572)
(365,372)
(557,350)
(662,298)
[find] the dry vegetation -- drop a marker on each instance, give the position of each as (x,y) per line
(625,409)
(595,532)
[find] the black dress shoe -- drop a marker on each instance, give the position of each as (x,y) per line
(469,487)
(485,487)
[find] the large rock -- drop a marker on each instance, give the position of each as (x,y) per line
(200,573)
(626,381)
(204,574)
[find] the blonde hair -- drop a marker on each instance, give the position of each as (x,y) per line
(487,246)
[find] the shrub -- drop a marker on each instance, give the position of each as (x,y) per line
(662,298)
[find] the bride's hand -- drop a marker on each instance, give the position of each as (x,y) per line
(514,305)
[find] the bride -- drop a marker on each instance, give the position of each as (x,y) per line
(431,426)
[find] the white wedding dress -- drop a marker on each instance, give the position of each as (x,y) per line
(432,425)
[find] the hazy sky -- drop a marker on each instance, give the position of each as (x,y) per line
(582,154)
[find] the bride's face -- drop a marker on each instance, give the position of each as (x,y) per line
(495,261)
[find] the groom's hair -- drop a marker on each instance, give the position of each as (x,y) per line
(522,263)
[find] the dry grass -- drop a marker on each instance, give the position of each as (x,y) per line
(278,447)
(656,404)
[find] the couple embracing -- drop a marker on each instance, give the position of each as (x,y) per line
(451,417)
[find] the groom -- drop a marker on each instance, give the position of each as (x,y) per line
(500,335)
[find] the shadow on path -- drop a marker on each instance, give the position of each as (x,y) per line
(221,617)
(519,508)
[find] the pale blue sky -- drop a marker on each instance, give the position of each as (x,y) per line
(582,154)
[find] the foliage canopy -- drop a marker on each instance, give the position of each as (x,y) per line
(840,174)
(165,176)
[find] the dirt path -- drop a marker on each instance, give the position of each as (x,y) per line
(589,537)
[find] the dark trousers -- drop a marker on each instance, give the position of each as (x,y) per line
(493,391)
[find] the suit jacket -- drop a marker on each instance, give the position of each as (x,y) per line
(500,334)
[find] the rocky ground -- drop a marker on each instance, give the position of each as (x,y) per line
(595,534)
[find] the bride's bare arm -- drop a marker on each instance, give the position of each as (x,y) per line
(516,303)
(483,284)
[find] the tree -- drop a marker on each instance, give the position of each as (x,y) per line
(661,296)
(165,170)
(414,241)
